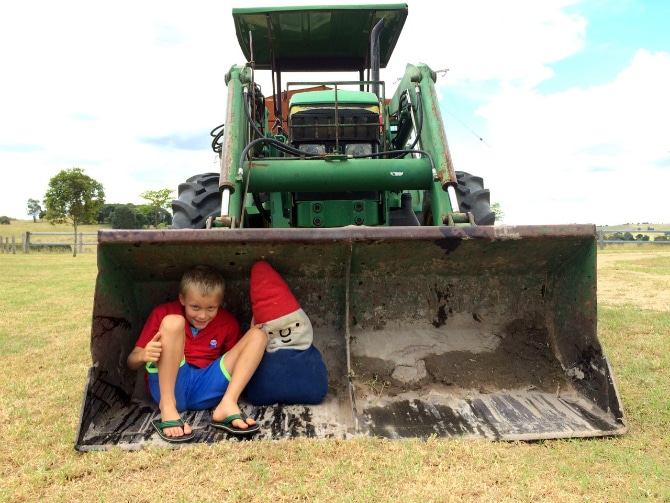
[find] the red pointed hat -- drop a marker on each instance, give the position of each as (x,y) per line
(271,298)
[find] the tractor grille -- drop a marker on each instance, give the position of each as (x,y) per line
(321,126)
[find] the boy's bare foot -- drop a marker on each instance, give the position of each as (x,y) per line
(162,426)
(171,414)
(177,431)
(225,409)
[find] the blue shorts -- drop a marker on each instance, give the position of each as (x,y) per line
(196,388)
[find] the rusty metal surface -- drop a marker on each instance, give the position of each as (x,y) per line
(491,233)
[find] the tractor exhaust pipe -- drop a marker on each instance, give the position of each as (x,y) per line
(374,54)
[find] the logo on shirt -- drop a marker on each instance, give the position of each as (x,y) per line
(213,343)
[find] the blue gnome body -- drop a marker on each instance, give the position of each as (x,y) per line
(292,370)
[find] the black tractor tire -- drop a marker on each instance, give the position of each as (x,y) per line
(474,198)
(471,197)
(197,199)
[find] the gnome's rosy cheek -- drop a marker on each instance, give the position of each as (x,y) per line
(286,333)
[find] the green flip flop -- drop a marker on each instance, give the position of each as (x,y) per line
(227,425)
(159,426)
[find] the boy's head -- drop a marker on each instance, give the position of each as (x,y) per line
(204,279)
(201,293)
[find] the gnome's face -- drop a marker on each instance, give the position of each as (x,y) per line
(291,331)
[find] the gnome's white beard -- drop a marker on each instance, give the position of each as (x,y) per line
(291,331)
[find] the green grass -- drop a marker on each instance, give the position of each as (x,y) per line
(46,301)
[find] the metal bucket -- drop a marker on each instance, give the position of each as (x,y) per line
(477,332)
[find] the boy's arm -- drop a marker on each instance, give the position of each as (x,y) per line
(135,358)
(150,353)
(148,345)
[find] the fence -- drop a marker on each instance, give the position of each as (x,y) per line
(602,241)
(6,247)
(27,241)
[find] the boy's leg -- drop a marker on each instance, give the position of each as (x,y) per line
(241,363)
(172,340)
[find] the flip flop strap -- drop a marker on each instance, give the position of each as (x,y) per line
(232,418)
(171,423)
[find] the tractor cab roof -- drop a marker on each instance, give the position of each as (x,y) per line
(318,38)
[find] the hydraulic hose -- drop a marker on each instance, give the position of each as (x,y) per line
(406,101)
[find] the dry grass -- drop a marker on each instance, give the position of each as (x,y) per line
(46,303)
(635,277)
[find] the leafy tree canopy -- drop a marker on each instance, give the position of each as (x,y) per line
(159,200)
(500,214)
(34,209)
(73,197)
(124,217)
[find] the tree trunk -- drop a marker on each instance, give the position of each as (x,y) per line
(74,247)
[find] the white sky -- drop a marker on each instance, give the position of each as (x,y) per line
(570,99)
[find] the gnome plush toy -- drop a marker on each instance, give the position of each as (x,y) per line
(292,370)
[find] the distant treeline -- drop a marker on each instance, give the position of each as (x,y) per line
(132,216)
(629,236)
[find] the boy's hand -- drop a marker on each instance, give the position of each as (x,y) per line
(152,351)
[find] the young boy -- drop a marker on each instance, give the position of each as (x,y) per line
(197,358)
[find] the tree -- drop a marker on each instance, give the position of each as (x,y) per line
(147,214)
(73,197)
(34,209)
(105,212)
(500,214)
(159,199)
(124,217)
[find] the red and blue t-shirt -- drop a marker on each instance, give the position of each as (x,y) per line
(217,338)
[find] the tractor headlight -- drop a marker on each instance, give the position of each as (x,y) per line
(313,148)
(358,149)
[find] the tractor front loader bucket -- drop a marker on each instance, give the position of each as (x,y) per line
(478,332)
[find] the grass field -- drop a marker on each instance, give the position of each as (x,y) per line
(46,301)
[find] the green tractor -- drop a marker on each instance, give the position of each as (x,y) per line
(432,321)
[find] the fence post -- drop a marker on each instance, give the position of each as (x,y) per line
(26,243)
(81,242)
(13,245)
(601,240)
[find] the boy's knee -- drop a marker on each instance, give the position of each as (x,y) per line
(173,324)
(258,336)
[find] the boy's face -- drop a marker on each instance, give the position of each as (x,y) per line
(200,309)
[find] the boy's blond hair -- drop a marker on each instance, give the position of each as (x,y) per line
(204,279)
